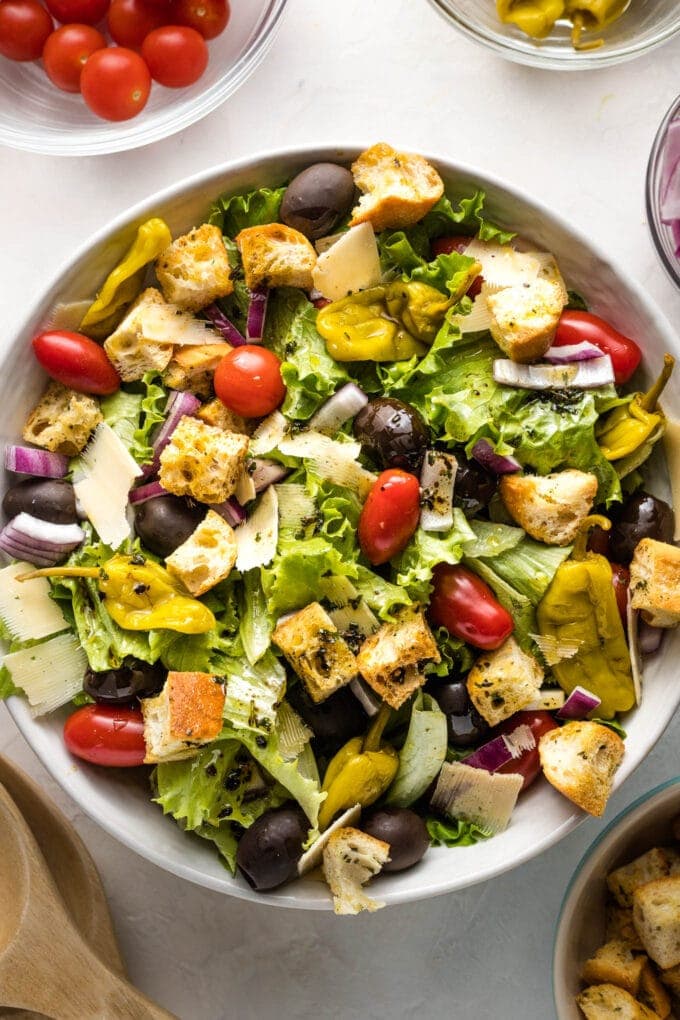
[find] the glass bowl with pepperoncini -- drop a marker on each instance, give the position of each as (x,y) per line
(565,34)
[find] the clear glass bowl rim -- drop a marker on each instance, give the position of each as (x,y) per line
(670,263)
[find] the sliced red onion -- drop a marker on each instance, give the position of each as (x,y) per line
(226,327)
(152,490)
(582,375)
(503,749)
(671,157)
(670,204)
(649,638)
(257,312)
(484,453)
(343,405)
(180,404)
(264,473)
(36,540)
(231,510)
(568,353)
(579,704)
(437,479)
(675,232)
(367,698)
(26,460)
(19,552)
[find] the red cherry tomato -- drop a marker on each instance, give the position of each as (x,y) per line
(467,607)
(456,242)
(621,581)
(76,361)
(248,381)
(320,302)
(574,327)
(24,28)
(115,83)
(176,56)
(82,12)
(389,516)
(66,52)
(130,21)
(209,17)
(528,764)
(105,735)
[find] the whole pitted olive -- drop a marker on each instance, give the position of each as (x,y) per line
(464,724)
(474,486)
(404,830)
(164,523)
(641,516)
(50,499)
(317,199)
(392,433)
(134,679)
(270,849)
(335,721)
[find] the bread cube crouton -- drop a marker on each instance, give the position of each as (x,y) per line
(215,413)
(317,651)
(202,461)
(655,582)
(207,556)
(186,715)
(194,270)
(130,348)
(580,760)
(656,916)
(504,681)
(620,927)
(652,993)
(623,881)
(399,188)
(550,508)
(274,255)
(606,1002)
(62,420)
(671,979)
(391,659)
(350,859)
(524,318)
(614,964)
(193,367)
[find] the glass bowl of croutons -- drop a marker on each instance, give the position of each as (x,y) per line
(617,947)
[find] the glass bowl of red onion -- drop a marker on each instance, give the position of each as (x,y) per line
(663,192)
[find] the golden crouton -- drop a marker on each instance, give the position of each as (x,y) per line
(524,318)
(274,255)
(317,651)
(504,681)
(399,188)
(207,556)
(671,979)
(62,420)
(604,1002)
(215,413)
(184,716)
(656,916)
(550,508)
(129,347)
(350,858)
(194,270)
(623,882)
(202,461)
(620,927)
(391,659)
(614,964)
(580,760)
(193,367)
(652,993)
(655,582)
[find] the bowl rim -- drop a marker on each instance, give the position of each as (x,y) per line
(590,60)
(607,833)
(672,266)
(134,133)
(198,181)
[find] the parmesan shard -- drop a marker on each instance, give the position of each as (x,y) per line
(351,264)
(102,482)
(330,459)
(268,434)
(49,674)
(26,608)
(502,266)
(485,798)
(257,537)
(313,857)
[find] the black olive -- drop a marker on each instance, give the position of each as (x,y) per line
(335,721)
(392,433)
(404,830)
(165,523)
(464,724)
(50,499)
(270,849)
(474,486)
(317,199)
(641,516)
(134,679)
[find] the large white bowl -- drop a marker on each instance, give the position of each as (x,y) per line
(119,801)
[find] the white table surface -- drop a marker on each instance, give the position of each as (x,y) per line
(344,70)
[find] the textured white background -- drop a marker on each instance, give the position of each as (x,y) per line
(345,70)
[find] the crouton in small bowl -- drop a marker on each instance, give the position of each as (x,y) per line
(620,918)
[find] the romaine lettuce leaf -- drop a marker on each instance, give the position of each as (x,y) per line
(446,273)
(255,625)
(425,550)
(467,217)
(453,833)
(133,415)
(292,580)
(423,753)
(518,605)
(7,688)
(383,597)
(233,213)
(529,567)
(105,644)
(253,694)
(492,539)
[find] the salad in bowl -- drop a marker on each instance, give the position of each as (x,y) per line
(333,518)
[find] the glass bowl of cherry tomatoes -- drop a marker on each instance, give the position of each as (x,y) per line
(86,77)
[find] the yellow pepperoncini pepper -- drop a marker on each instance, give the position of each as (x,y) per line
(592,14)
(360,772)
(357,328)
(535,17)
(140,595)
(628,433)
(580,608)
(420,307)
(124,283)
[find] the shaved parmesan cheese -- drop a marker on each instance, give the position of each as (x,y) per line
(485,798)
(312,858)
(632,621)
(337,590)
(67,315)
(549,700)
(330,459)
(256,538)
(479,319)
(102,482)
(295,506)
(502,266)
(293,733)
(351,264)
(357,618)
(49,674)
(268,434)
(26,608)
(554,650)
(245,488)
(164,323)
